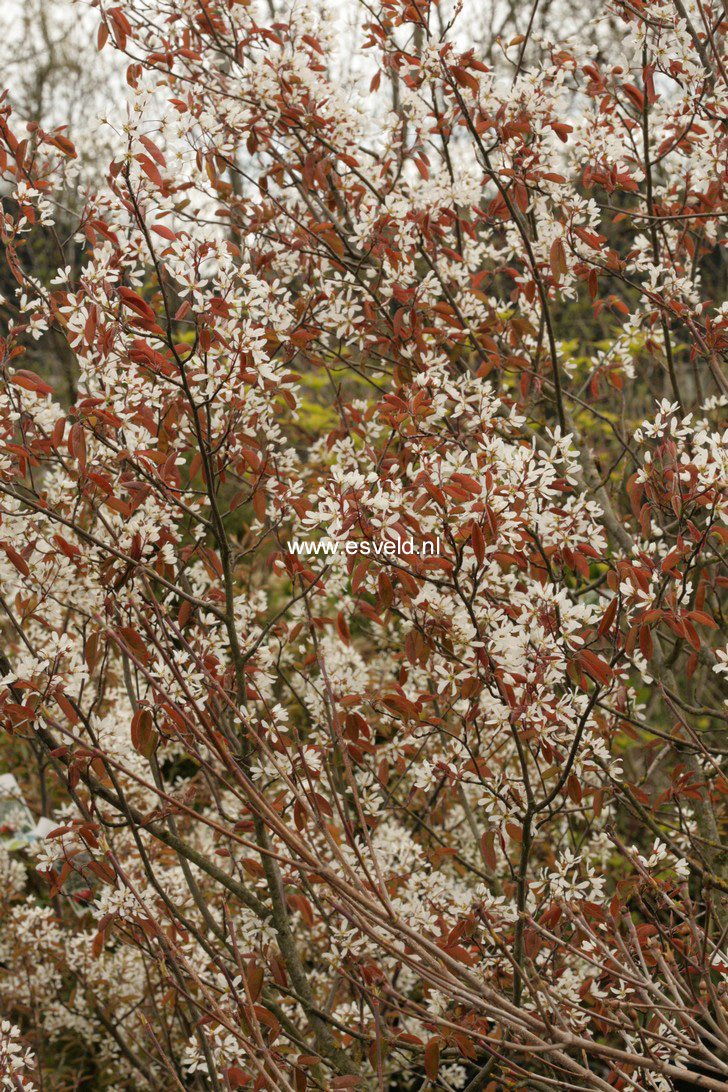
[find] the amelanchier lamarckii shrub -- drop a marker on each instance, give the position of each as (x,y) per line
(449,816)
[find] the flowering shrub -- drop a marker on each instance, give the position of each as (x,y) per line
(440,819)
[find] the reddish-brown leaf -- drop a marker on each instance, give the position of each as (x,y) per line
(17,559)
(432,1059)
